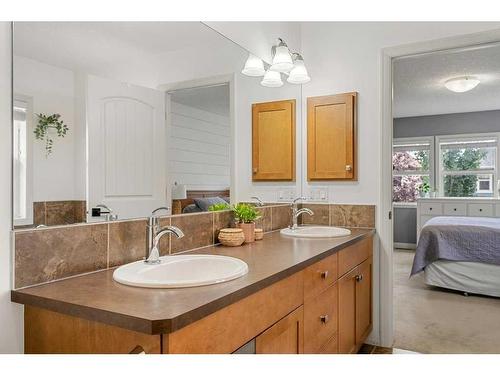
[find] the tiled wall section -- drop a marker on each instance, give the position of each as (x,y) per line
(59,212)
(49,254)
(340,215)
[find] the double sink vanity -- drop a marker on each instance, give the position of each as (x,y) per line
(309,293)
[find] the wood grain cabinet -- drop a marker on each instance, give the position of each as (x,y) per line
(273,141)
(355,301)
(331,137)
(284,337)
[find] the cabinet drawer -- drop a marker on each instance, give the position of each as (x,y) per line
(455,209)
(320,276)
(480,209)
(331,347)
(320,319)
(353,255)
(431,209)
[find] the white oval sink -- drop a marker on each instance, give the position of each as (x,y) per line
(181,271)
(316,232)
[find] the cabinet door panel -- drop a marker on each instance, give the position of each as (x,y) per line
(320,276)
(284,337)
(331,133)
(363,301)
(273,141)
(347,312)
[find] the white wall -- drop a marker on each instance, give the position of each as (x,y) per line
(11,329)
(199,148)
(53,91)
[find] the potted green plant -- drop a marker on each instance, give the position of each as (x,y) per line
(245,216)
(219,207)
(424,189)
(45,123)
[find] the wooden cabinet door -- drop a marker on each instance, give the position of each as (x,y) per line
(347,312)
(273,141)
(363,301)
(284,337)
(331,137)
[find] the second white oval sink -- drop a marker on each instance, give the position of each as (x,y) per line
(316,232)
(181,271)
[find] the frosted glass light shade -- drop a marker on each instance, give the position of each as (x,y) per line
(461,84)
(282,60)
(272,79)
(179,191)
(298,74)
(254,67)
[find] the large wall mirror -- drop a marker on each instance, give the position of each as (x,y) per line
(113,120)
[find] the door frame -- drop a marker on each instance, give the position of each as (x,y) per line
(386,225)
(200,83)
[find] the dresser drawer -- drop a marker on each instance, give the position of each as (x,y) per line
(354,255)
(320,319)
(480,209)
(320,276)
(431,209)
(455,209)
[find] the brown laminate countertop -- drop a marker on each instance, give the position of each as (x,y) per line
(98,297)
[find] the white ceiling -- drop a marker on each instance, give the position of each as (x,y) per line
(97,47)
(419,82)
(213,99)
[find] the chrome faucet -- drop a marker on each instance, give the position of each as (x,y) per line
(295,212)
(153,226)
(108,214)
(154,252)
(259,201)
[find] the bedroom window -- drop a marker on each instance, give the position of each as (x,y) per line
(412,164)
(467,166)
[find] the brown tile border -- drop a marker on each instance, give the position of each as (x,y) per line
(51,253)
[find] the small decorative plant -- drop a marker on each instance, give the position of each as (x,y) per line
(245,213)
(45,123)
(425,187)
(219,207)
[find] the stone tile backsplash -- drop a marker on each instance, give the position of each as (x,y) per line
(52,253)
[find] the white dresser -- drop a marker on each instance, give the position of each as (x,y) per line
(430,207)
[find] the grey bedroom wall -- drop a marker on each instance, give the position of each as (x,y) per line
(454,123)
(405,219)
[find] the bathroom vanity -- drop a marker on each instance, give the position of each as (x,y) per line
(299,296)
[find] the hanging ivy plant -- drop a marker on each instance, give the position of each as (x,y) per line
(49,122)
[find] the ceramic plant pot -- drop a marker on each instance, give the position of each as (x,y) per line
(248,231)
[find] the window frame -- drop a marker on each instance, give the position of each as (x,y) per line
(28,219)
(440,173)
(399,142)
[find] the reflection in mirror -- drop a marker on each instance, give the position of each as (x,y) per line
(115,119)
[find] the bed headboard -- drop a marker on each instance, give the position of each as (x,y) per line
(179,204)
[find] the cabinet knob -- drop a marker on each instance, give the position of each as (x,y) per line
(359,278)
(324,274)
(255,170)
(348,167)
(324,318)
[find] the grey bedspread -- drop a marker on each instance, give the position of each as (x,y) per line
(472,239)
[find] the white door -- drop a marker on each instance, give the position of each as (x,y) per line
(126,147)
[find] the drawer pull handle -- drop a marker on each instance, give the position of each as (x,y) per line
(430,209)
(480,210)
(324,274)
(359,278)
(324,318)
(454,209)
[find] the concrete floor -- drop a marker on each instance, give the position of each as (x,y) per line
(433,320)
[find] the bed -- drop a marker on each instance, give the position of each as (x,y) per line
(188,204)
(460,253)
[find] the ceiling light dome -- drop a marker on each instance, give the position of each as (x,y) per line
(272,79)
(298,74)
(282,59)
(254,67)
(461,84)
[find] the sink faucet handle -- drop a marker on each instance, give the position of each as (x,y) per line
(298,199)
(259,201)
(156,210)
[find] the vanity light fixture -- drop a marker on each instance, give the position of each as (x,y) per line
(298,74)
(272,79)
(461,84)
(282,59)
(254,67)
